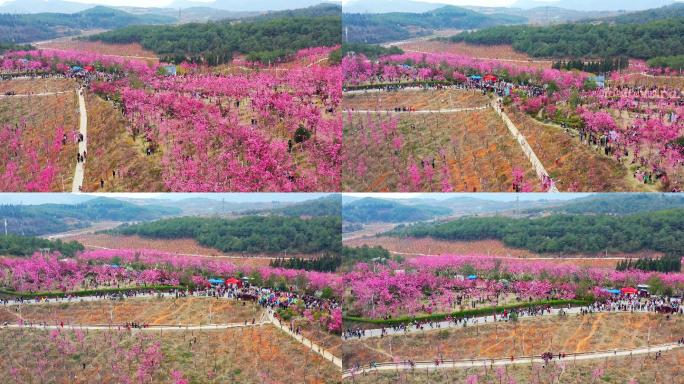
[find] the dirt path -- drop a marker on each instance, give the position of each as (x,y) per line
(594,326)
(456,364)
(526,148)
(79,172)
(306,342)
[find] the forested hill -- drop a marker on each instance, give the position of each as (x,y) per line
(369,210)
(667,12)
(618,204)
(23,28)
(11,245)
(642,41)
(384,27)
(325,206)
(266,38)
(566,234)
(257,234)
(36,220)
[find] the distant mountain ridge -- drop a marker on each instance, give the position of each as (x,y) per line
(369,210)
(379,28)
(593,5)
(387,6)
(26,28)
(37,220)
(62,6)
(251,6)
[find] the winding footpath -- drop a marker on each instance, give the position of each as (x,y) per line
(306,342)
(83,145)
(455,364)
(473,321)
(542,174)
(266,318)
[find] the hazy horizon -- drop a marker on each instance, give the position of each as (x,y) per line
(67,198)
(496,3)
(478,195)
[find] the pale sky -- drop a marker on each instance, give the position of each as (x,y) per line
(129,3)
(163,3)
(483,3)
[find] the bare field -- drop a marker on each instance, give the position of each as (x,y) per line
(641,80)
(500,52)
(430,246)
(526,337)
(152,311)
(261,354)
(473,149)
(120,161)
(133,50)
(418,100)
(34,86)
(573,165)
(177,246)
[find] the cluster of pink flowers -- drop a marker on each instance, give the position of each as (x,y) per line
(439,66)
(212,148)
(61,60)
(292,142)
(435,283)
(25,166)
(139,268)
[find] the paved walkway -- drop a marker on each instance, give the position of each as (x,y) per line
(455,364)
(481,320)
(150,328)
(306,342)
(527,149)
(381,90)
(83,145)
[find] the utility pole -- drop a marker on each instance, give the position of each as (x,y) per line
(5,227)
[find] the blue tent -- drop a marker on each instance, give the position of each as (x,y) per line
(76,68)
(216,281)
(472,277)
(475,77)
(613,291)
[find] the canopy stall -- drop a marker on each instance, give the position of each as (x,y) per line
(629,291)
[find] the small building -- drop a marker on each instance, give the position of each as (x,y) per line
(599,80)
(170,69)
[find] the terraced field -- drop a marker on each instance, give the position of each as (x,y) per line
(468,151)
